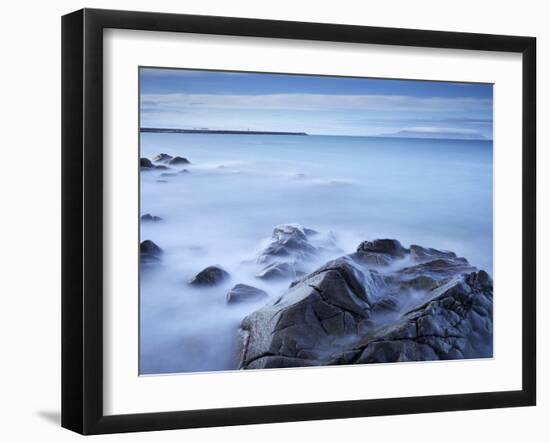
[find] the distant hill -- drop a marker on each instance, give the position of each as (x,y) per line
(449,135)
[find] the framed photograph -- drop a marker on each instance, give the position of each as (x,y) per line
(269,221)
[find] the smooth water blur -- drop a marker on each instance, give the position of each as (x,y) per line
(435,193)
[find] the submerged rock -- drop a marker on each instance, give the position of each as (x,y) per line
(292,251)
(145,163)
(178,161)
(245,294)
(357,309)
(210,276)
(150,218)
(162,158)
(174,174)
(149,252)
(294,243)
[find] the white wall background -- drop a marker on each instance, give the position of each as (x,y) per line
(30,218)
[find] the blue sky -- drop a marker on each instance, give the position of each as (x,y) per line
(175,98)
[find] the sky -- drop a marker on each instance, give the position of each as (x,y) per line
(324,105)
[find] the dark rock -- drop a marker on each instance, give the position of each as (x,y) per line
(421,282)
(150,247)
(386,304)
(161,167)
(184,171)
(280,270)
(145,163)
(245,294)
(440,268)
(290,243)
(312,320)
(168,174)
(150,218)
(373,259)
(210,276)
(149,252)
(386,246)
(162,158)
(178,161)
(455,323)
(356,309)
(418,253)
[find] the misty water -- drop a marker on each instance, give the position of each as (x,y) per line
(435,193)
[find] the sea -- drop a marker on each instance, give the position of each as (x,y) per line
(222,211)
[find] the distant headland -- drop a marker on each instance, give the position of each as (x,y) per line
(218,131)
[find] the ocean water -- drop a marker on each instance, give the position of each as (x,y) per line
(436,193)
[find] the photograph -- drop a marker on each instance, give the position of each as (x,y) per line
(301,220)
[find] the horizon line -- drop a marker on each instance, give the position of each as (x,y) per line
(300,133)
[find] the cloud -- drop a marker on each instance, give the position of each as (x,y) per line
(313,102)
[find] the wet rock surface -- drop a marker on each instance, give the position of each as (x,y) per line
(245,294)
(178,161)
(455,323)
(296,245)
(383,303)
(162,158)
(210,276)
(145,163)
(149,252)
(282,270)
(289,242)
(387,246)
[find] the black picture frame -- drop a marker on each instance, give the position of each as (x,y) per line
(82,218)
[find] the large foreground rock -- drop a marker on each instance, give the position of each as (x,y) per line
(383,303)
(456,323)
